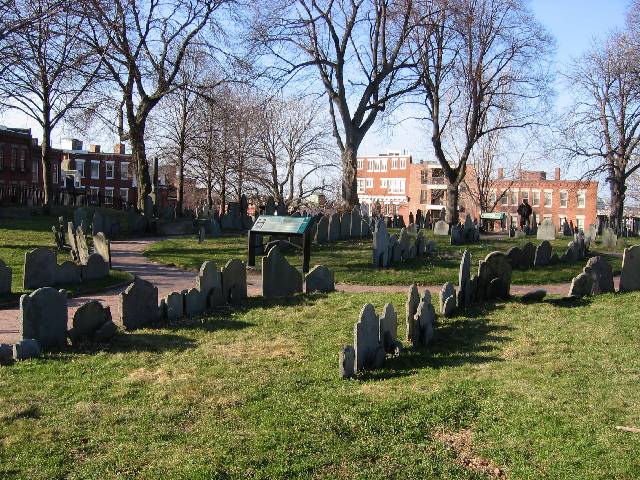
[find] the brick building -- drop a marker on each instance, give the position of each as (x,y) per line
(397,185)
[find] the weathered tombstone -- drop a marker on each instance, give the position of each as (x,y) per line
(80,218)
(195,302)
(494,276)
(590,234)
(514,256)
(148,207)
(573,252)
(602,275)
(102,246)
(234,282)
(172,306)
(447,299)
(547,230)
(534,224)
(609,238)
(424,320)
(88,319)
(25,349)
(441,228)
(404,243)
(345,225)
(411,307)
(630,275)
(380,245)
(138,305)
(279,278)
(319,279)
(98,223)
(355,226)
(389,328)
(95,268)
(457,235)
(421,246)
(83,246)
(216,229)
(366,334)
(566,229)
(43,317)
(322,232)
(581,286)
(5,278)
(395,255)
(68,272)
(464,280)
(347,362)
(528,256)
(209,282)
(543,254)
(334,228)
(40,266)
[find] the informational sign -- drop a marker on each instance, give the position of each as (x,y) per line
(276,224)
(493,216)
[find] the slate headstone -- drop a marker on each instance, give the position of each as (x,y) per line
(68,273)
(319,279)
(425,320)
(195,302)
(322,232)
(234,282)
(138,305)
(279,278)
(366,342)
(581,285)
(43,317)
(172,306)
(528,256)
(40,266)
(441,228)
(87,320)
(494,267)
(411,307)
(602,275)
(547,230)
(388,328)
(5,278)
(630,275)
(447,306)
(347,362)
(334,227)
(543,254)
(380,245)
(102,246)
(95,268)
(209,282)
(26,348)
(609,238)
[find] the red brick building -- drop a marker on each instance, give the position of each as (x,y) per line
(400,186)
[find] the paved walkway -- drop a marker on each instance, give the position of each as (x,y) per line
(127,255)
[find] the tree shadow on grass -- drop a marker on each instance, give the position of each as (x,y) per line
(569,302)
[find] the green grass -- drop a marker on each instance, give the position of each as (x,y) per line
(255,393)
(24,233)
(351,260)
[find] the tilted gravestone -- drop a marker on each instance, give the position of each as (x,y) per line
(494,276)
(465,295)
(95,268)
(630,275)
(234,282)
(83,247)
(322,232)
(102,246)
(411,307)
(319,279)
(209,282)
(172,306)
(424,320)
(366,340)
(138,305)
(380,245)
(43,317)
(347,362)
(447,299)
(602,275)
(68,272)
(279,278)
(581,285)
(92,321)
(547,230)
(334,227)
(441,228)
(543,254)
(388,328)
(5,278)
(40,266)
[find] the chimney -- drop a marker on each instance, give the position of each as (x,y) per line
(500,173)
(71,144)
(94,148)
(119,149)
(557,173)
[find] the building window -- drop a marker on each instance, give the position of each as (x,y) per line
(548,198)
(80,168)
(403,163)
(394,163)
(361,185)
(424,176)
(514,198)
(95,169)
(369,182)
(437,197)
(378,165)
(360,164)
(504,199)
(110,169)
(1,156)
(535,196)
(580,223)
(54,174)
(525,195)
(95,191)
(396,185)
(14,158)
(384,183)
(34,171)
(23,159)
(564,199)
(581,199)
(492,198)
(124,194)
(108,196)
(124,171)
(424,196)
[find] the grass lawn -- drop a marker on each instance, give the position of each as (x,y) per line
(351,260)
(21,235)
(533,390)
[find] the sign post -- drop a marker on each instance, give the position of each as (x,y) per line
(290,226)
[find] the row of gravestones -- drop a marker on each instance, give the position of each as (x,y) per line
(41,269)
(393,249)
(43,324)
(375,336)
(492,282)
(597,275)
(461,234)
(79,245)
(101,222)
(341,227)
(530,256)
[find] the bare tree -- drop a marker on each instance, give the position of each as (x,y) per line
(357,49)
(477,59)
(603,125)
(50,71)
(146,44)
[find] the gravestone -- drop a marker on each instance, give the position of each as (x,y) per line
(98,223)
(494,276)
(25,349)
(364,228)
(195,302)
(70,237)
(566,229)
(366,333)
(136,223)
(395,256)
(514,256)
(457,235)
(5,278)
(209,282)
(80,219)
(234,282)
(547,230)
(322,232)
(441,228)
(464,281)
(88,320)
(609,238)
(447,299)
(319,279)
(83,246)
(389,328)
(43,317)
(334,227)
(347,362)
(581,286)
(68,272)
(95,268)
(355,227)
(345,225)
(630,275)
(279,278)
(421,247)
(528,256)
(404,244)
(534,224)
(216,229)
(172,306)
(40,266)
(102,246)
(601,273)
(573,252)
(148,207)
(590,234)
(424,320)
(138,305)
(543,254)
(380,245)
(411,307)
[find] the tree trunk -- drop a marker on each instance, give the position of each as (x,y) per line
(46,161)
(453,196)
(349,176)
(139,156)
(180,193)
(616,212)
